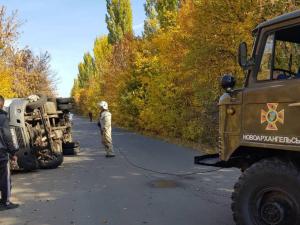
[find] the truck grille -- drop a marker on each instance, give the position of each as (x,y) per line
(220,140)
(220,145)
(20,137)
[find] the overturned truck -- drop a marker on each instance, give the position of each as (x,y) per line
(40,129)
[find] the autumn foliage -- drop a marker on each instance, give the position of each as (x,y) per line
(167,82)
(21,72)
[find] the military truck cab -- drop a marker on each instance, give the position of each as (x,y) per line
(259,128)
(264,114)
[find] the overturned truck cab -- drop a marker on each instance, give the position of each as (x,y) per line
(259,129)
(40,130)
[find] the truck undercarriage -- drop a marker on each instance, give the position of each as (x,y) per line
(41,130)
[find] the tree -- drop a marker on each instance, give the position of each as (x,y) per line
(167,12)
(32,74)
(151,24)
(21,71)
(86,70)
(118,19)
(6,89)
(102,51)
(8,29)
(161,14)
(8,35)
(168,84)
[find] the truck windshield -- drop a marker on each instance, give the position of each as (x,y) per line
(281,58)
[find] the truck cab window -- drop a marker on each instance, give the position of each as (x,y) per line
(283,62)
(265,66)
(287,60)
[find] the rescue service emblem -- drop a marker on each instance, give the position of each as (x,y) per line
(272,116)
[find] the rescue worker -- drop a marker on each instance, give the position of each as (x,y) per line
(91,116)
(7,150)
(105,128)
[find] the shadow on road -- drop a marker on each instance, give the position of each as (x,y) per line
(90,189)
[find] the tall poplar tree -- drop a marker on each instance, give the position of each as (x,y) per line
(118,19)
(151,24)
(102,50)
(161,14)
(86,70)
(167,12)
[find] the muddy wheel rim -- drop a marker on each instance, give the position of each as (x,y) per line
(274,206)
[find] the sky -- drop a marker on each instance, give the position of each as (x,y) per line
(66,29)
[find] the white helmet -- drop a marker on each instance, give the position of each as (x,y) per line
(103,105)
(33,98)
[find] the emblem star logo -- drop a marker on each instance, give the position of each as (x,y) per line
(272,116)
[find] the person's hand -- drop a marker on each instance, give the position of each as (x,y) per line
(14,158)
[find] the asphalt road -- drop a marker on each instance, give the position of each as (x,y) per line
(90,189)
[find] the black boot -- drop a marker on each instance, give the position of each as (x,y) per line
(8,205)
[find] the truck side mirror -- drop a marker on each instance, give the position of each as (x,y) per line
(228,82)
(243,55)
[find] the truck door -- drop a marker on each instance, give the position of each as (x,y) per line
(271,106)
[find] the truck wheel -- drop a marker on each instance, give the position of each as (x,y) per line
(64,100)
(70,145)
(267,193)
(65,106)
(71,148)
(53,159)
(52,163)
(39,103)
(28,163)
(71,151)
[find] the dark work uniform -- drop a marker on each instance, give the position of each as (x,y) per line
(91,116)
(7,149)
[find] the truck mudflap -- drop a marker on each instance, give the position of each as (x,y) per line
(212,160)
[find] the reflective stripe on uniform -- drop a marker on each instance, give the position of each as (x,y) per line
(8,182)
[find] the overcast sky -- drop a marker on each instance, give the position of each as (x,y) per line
(66,29)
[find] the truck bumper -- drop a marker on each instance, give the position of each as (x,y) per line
(212,160)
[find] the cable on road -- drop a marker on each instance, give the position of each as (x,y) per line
(161,172)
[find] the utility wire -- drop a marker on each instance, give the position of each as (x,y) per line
(161,172)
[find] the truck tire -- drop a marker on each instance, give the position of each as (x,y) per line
(267,193)
(39,103)
(64,106)
(71,148)
(64,100)
(70,145)
(29,163)
(71,151)
(54,160)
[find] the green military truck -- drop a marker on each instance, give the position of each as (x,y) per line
(260,129)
